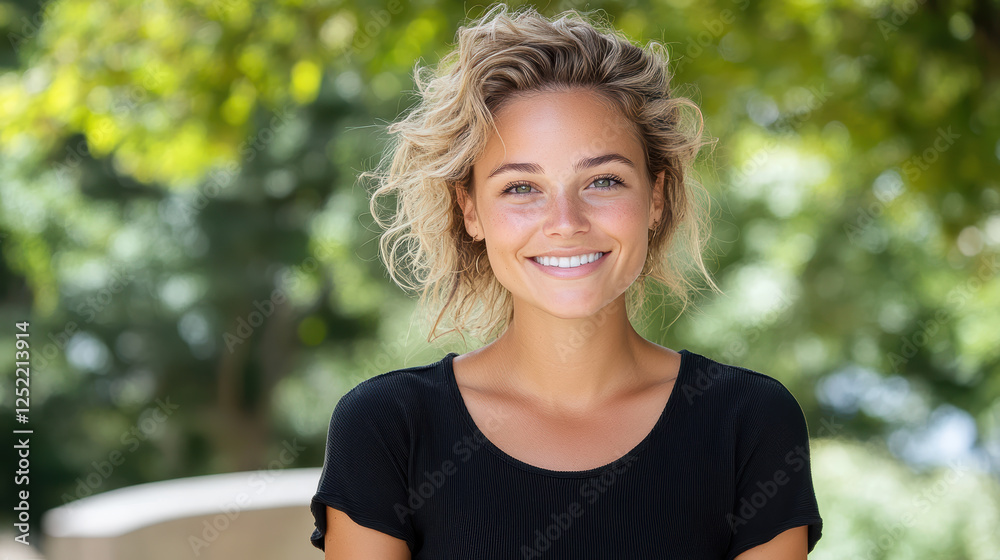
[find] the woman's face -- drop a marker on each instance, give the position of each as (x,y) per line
(565,176)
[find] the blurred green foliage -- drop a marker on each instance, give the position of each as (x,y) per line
(179,220)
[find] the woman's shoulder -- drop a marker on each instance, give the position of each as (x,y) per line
(738,388)
(396,392)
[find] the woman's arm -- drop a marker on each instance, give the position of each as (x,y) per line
(788,545)
(346,540)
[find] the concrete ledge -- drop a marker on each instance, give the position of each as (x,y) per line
(259,514)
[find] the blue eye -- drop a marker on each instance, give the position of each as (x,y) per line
(609,182)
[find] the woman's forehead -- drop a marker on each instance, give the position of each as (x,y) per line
(558,129)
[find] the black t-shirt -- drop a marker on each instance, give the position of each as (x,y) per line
(725,468)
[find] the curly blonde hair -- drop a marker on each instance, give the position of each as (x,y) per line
(501,55)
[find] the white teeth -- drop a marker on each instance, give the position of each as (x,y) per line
(568,262)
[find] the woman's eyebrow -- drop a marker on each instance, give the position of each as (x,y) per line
(582,164)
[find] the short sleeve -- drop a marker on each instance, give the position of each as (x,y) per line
(774,490)
(365,465)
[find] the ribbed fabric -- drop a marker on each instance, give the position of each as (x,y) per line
(725,468)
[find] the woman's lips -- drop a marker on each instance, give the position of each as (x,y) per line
(574,272)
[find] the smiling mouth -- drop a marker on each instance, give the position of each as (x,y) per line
(568,262)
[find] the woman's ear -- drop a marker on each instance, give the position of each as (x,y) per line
(468,206)
(658,200)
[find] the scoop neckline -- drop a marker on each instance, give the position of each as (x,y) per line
(587,473)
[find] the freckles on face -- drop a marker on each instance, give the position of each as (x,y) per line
(562,171)
(535,153)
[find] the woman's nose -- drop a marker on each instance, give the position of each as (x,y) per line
(566,214)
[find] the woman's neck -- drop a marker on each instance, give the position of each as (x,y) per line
(567,365)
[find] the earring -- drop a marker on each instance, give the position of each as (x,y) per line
(477,266)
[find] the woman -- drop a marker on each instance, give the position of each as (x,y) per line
(542,175)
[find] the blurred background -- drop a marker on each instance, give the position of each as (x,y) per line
(182,231)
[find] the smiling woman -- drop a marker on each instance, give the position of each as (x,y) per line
(540,183)
(571,208)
